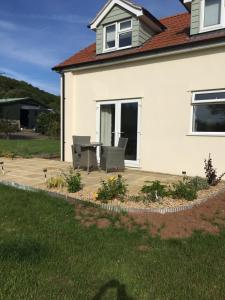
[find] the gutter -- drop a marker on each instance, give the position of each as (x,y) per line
(140,57)
(62,117)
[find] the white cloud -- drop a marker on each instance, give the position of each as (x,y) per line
(5,25)
(67,18)
(23,51)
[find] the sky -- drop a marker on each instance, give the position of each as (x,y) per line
(37,35)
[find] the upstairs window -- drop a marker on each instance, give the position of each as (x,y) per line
(209,112)
(212,14)
(118,35)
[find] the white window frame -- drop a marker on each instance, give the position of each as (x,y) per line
(117,35)
(118,103)
(213,27)
(199,102)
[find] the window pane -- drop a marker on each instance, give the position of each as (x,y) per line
(212,12)
(209,118)
(107,121)
(210,96)
(110,36)
(125,39)
(125,25)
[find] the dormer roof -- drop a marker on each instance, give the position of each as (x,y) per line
(187,4)
(137,10)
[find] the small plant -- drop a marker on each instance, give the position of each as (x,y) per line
(154,191)
(73,181)
(56,182)
(211,172)
(198,183)
(183,190)
(114,187)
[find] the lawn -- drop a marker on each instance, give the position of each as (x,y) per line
(45,253)
(29,148)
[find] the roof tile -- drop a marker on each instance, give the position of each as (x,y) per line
(176,34)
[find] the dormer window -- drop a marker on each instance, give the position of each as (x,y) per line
(118,35)
(212,15)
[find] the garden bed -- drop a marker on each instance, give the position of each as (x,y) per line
(166,204)
(154,196)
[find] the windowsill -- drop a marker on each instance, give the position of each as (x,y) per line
(211,28)
(116,49)
(207,134)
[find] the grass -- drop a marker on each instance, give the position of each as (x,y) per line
(29,148)
(46,254)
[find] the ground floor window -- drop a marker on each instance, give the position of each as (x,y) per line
(208,112)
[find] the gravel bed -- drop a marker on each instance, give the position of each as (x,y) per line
(161,204)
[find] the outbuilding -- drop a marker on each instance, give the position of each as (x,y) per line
(23,111)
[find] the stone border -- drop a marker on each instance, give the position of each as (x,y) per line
(114,208)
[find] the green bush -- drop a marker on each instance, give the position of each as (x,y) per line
(114,187)
(48,124)
(183,190)
(198,183)
(154,191)
(56,182)
(7,127)
(73,181)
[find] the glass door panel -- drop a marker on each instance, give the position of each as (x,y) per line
(107,124)
(129,128)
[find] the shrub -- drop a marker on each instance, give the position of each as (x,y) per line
(211,173)
(114,187)
(7,127)
(183,190)
(154,191)
(73,181)
(48,124)
(56,182)
(198,183)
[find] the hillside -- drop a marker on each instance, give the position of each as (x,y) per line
(11,88)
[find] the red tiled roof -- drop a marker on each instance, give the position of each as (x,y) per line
(177,33)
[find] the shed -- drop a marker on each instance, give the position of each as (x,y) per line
(23,111)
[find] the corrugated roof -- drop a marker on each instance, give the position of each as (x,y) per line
(10,100)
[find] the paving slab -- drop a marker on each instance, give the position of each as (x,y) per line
(30,172)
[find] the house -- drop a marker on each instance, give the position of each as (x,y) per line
(23,111)
(161,83)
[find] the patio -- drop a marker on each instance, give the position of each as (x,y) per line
(29,172)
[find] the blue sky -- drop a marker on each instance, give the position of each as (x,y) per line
(36,35)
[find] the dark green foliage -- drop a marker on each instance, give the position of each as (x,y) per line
(11,88)
(198,183)
(7,127)
(183,190)
(154,190)
(73,181)
(49,124)
(211,173)
(114,187)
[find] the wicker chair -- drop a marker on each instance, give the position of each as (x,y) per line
(112,158)
(80,154)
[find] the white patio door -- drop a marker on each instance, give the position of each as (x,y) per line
(117,119)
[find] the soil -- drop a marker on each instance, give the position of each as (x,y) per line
(208,217)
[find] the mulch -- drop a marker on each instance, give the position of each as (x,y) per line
(208,217)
